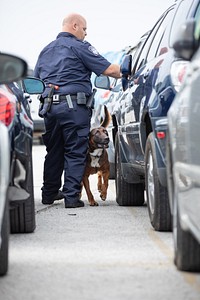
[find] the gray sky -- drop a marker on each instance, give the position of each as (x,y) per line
(26,26)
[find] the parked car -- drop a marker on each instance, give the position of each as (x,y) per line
(113,102)
(17,69)
(20,126)
(4,205)
(38,122)
(15,115)
(183,154)
(106,98)
(140,139)
(98,116)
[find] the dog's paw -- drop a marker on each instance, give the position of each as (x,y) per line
(94,203)
(103,197)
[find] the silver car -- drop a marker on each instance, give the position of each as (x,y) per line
(4,212)
(17,213)
(183,154)
(11,68)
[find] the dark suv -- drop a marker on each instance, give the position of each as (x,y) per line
(140,123)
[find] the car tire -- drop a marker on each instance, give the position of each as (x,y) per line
(187,249)
(157,196)
(22,212)
(127,194)
(5,231)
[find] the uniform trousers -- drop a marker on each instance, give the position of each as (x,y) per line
(66,141)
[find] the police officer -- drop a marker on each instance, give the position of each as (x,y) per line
(65,65)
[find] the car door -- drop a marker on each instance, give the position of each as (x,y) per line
(139,89)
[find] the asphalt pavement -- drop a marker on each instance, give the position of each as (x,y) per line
(93,253)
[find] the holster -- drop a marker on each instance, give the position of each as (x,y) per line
(45,107)
(45,103)
(91,99)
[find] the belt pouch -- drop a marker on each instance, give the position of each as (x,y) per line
(81,98)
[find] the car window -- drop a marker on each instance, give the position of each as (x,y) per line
(143,56)
(157,47)
(197,14)
(138,50)
(180,17)
(136,55)
(197,27)
(132,51)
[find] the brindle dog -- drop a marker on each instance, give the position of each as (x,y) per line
(97,159)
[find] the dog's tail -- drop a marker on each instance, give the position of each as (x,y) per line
(107,118)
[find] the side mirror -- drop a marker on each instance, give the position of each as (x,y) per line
(185,43)
(32,85)
(102,82)
(126,66)
(12,68)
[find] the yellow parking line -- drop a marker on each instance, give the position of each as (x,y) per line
(162,246)
(192,279)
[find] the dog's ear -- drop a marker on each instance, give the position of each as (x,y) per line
(107,117)
(95,120)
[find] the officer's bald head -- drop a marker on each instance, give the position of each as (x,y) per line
(71,18)
(76,25)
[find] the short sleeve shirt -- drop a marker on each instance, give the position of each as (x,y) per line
(68,63)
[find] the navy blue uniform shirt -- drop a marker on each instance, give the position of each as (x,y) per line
(69,62)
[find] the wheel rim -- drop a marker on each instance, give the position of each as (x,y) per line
(150,182)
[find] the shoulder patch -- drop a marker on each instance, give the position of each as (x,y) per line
(93,50)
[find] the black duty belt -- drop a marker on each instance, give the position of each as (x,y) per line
(80,98)
(59,98)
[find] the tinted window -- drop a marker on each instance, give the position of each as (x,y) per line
(143,56)
(180,18)
(197,14)
(136,53)
(157,47)
(197,27)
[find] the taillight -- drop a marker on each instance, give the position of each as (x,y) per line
(178,71)
(161,135)
(7,107)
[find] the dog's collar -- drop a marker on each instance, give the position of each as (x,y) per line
(95,155)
